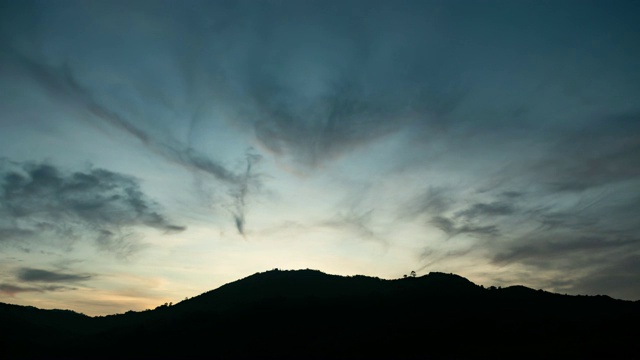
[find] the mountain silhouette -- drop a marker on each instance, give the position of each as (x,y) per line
(307,314)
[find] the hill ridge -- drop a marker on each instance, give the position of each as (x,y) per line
(307,313)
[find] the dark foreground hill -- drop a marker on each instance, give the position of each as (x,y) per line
(308,314)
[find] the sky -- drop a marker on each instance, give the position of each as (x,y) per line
(154,150)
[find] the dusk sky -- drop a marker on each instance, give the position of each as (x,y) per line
(154,150)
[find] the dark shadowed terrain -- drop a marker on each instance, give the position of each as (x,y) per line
(309,314)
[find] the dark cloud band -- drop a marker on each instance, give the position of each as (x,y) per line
(39,275)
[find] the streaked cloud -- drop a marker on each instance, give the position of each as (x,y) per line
(40,275)
(11,290)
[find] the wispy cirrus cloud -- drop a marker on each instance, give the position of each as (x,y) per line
(496,208)
(452,229)
(603,152)
(581,229)
(62,85)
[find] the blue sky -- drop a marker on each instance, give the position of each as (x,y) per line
(154,150)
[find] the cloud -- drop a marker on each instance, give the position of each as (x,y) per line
(593,152)
(308,90)
(39,275)
(556,239)
(619,278)
(13,234)
(515,136)
(433,201)
(324,127)
(39,198)
(248,182)
(541,250)
(578,264)
(440,205)
(585,248)
(360,223)
(451,228)
(314,89)
(487,210)
(11,290)
(62,85)
(603,152)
